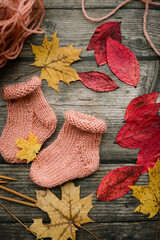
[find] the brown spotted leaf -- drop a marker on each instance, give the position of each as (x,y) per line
(65,214)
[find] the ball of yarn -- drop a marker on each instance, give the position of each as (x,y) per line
(18,20)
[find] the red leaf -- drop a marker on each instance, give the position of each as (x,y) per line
(100,51)
(138,102)
(98,40)
(111,29)
(135,134)
(144,111)
(98,81)
(149,153)
(115,184)
(122,62)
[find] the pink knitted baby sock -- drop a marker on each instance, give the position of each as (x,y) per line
(75,153)
(28,112)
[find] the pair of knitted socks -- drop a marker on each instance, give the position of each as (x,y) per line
(74,154)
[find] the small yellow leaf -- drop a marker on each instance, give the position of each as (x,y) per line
(29,148)
(55,61)
(149,195)
(65,214)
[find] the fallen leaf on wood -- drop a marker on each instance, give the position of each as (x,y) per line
(115,184)
(55,61)
(140,101)
(122,62)
(98,40)
(65,214)
(149,195)
(143,112)
(29,148)
(149,153)
(134,134)
(98,81)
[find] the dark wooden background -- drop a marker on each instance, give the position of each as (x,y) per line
(114,220)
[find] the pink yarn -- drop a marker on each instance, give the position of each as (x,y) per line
(18,20)
(75,153)
(28,111)
(147,2)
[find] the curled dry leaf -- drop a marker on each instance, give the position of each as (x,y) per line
(122,62)
(65,214)
(55,61)
(115,184)
(149,195)
(140,101)
(98,40)
(98,81)
(29,148)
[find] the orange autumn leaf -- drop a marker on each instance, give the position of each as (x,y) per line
(65,215)
(55,61)
(29,148)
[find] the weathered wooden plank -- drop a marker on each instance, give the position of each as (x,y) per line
(103,231)
(109,106)
(81,30)
(75,4)
(118,210)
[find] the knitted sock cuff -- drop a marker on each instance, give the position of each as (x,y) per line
(21,89)
(85,122)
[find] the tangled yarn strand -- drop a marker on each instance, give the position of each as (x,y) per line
(18,20)
(147,3)
(145,30)
(105,17)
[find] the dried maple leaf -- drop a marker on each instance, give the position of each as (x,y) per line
(29,148)
(55,61)
(65,214)
(149,195)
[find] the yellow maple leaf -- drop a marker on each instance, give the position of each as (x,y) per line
(55,61)
(149,195)
(29,148)
(65,214)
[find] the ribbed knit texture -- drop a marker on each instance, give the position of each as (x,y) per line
(75,153)
(28,112)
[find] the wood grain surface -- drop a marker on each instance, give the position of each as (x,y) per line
(114,220)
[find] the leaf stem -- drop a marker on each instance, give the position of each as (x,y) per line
(18,201)
(89,232)
(17,193)
(157,225)
(28,73)
(17,219)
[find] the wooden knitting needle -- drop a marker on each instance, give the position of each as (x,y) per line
(17,193)
(3,181)
(7,178)
(18,201)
